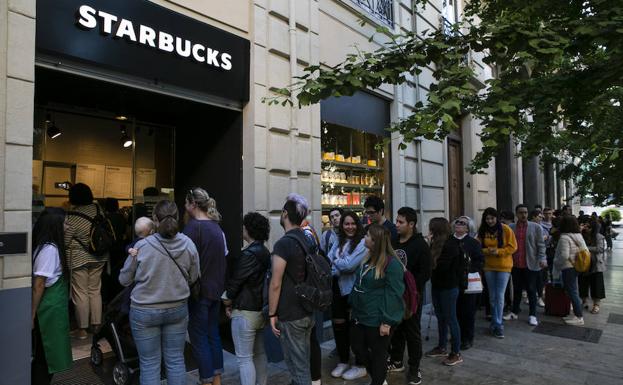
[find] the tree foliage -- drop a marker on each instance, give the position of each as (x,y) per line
(557,92)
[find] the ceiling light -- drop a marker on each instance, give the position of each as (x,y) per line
(126,141)
(121,117)
(53,131)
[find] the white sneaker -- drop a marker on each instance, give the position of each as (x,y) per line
(510,316)
(532,321)
(317,382)
(354,373)
(339,370)
(568,317)
(540,302)
(575,321)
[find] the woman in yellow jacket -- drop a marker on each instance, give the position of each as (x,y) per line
(498,245)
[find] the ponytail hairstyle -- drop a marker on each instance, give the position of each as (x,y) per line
(382,249)
(167,216)
(440,229)
(49,230)
(204,202)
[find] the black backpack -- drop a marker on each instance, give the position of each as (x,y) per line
(101,235)
(314,292)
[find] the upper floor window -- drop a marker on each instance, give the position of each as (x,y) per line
(381,10)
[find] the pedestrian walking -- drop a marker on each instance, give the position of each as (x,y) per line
(50,294)
(413,251)
(289,320)
(498,245)
(162,268)
(377,304)
(204,230)
(244,293)
(569,244)
(446,278)
(346,257)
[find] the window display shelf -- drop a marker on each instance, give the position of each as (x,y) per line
(350,165)
(353,186)
(345,207)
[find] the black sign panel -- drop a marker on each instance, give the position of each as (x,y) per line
(142,39)
(13,243)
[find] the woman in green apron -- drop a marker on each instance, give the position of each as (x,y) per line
(50,313)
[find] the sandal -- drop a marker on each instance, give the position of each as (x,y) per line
(595,309)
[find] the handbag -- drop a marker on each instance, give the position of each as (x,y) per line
(474,283)
(195,287)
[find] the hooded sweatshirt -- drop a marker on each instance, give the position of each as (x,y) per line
(159,283)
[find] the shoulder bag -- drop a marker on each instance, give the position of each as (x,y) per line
(195,287)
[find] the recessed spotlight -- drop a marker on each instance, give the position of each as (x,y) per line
(126,141)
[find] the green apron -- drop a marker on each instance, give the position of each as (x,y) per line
(53,316)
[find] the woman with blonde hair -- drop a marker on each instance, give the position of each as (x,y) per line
(204,230)
(377,303)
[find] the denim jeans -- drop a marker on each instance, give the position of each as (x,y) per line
(444,302)
(524,279)
(295,343)
(205,338)
(570,283)
(496,282)
(157,333)
(248,336)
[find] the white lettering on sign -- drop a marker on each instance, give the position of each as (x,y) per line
(120,28)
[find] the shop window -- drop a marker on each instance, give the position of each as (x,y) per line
(116,156)
(355,164)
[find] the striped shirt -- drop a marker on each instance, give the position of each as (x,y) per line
(79,229)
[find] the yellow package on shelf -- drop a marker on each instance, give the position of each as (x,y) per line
(372,163)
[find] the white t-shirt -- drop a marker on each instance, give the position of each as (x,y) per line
(47,264)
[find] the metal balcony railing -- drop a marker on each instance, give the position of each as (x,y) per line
(381,10)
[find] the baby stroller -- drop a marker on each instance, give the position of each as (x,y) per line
(116,330)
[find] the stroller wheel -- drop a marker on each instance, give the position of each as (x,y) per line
(96,356)
(121,374)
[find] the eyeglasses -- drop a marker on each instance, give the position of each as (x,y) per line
(460,223)
(371,212)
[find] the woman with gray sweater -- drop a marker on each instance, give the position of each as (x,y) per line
(161,266)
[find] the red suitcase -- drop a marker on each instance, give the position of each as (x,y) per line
(557,302)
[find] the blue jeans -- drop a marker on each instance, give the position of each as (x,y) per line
(249,345)
(159,332)
(444,302)
(570,283)
(205,338)
(496,283)
(295,343)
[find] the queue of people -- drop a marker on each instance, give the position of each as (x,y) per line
(180,275)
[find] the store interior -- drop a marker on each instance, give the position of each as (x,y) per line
(121,140)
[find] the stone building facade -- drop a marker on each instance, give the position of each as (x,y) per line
(281,146)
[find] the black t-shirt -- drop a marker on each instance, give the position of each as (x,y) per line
(392,229)
(415,254)
(289,308)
